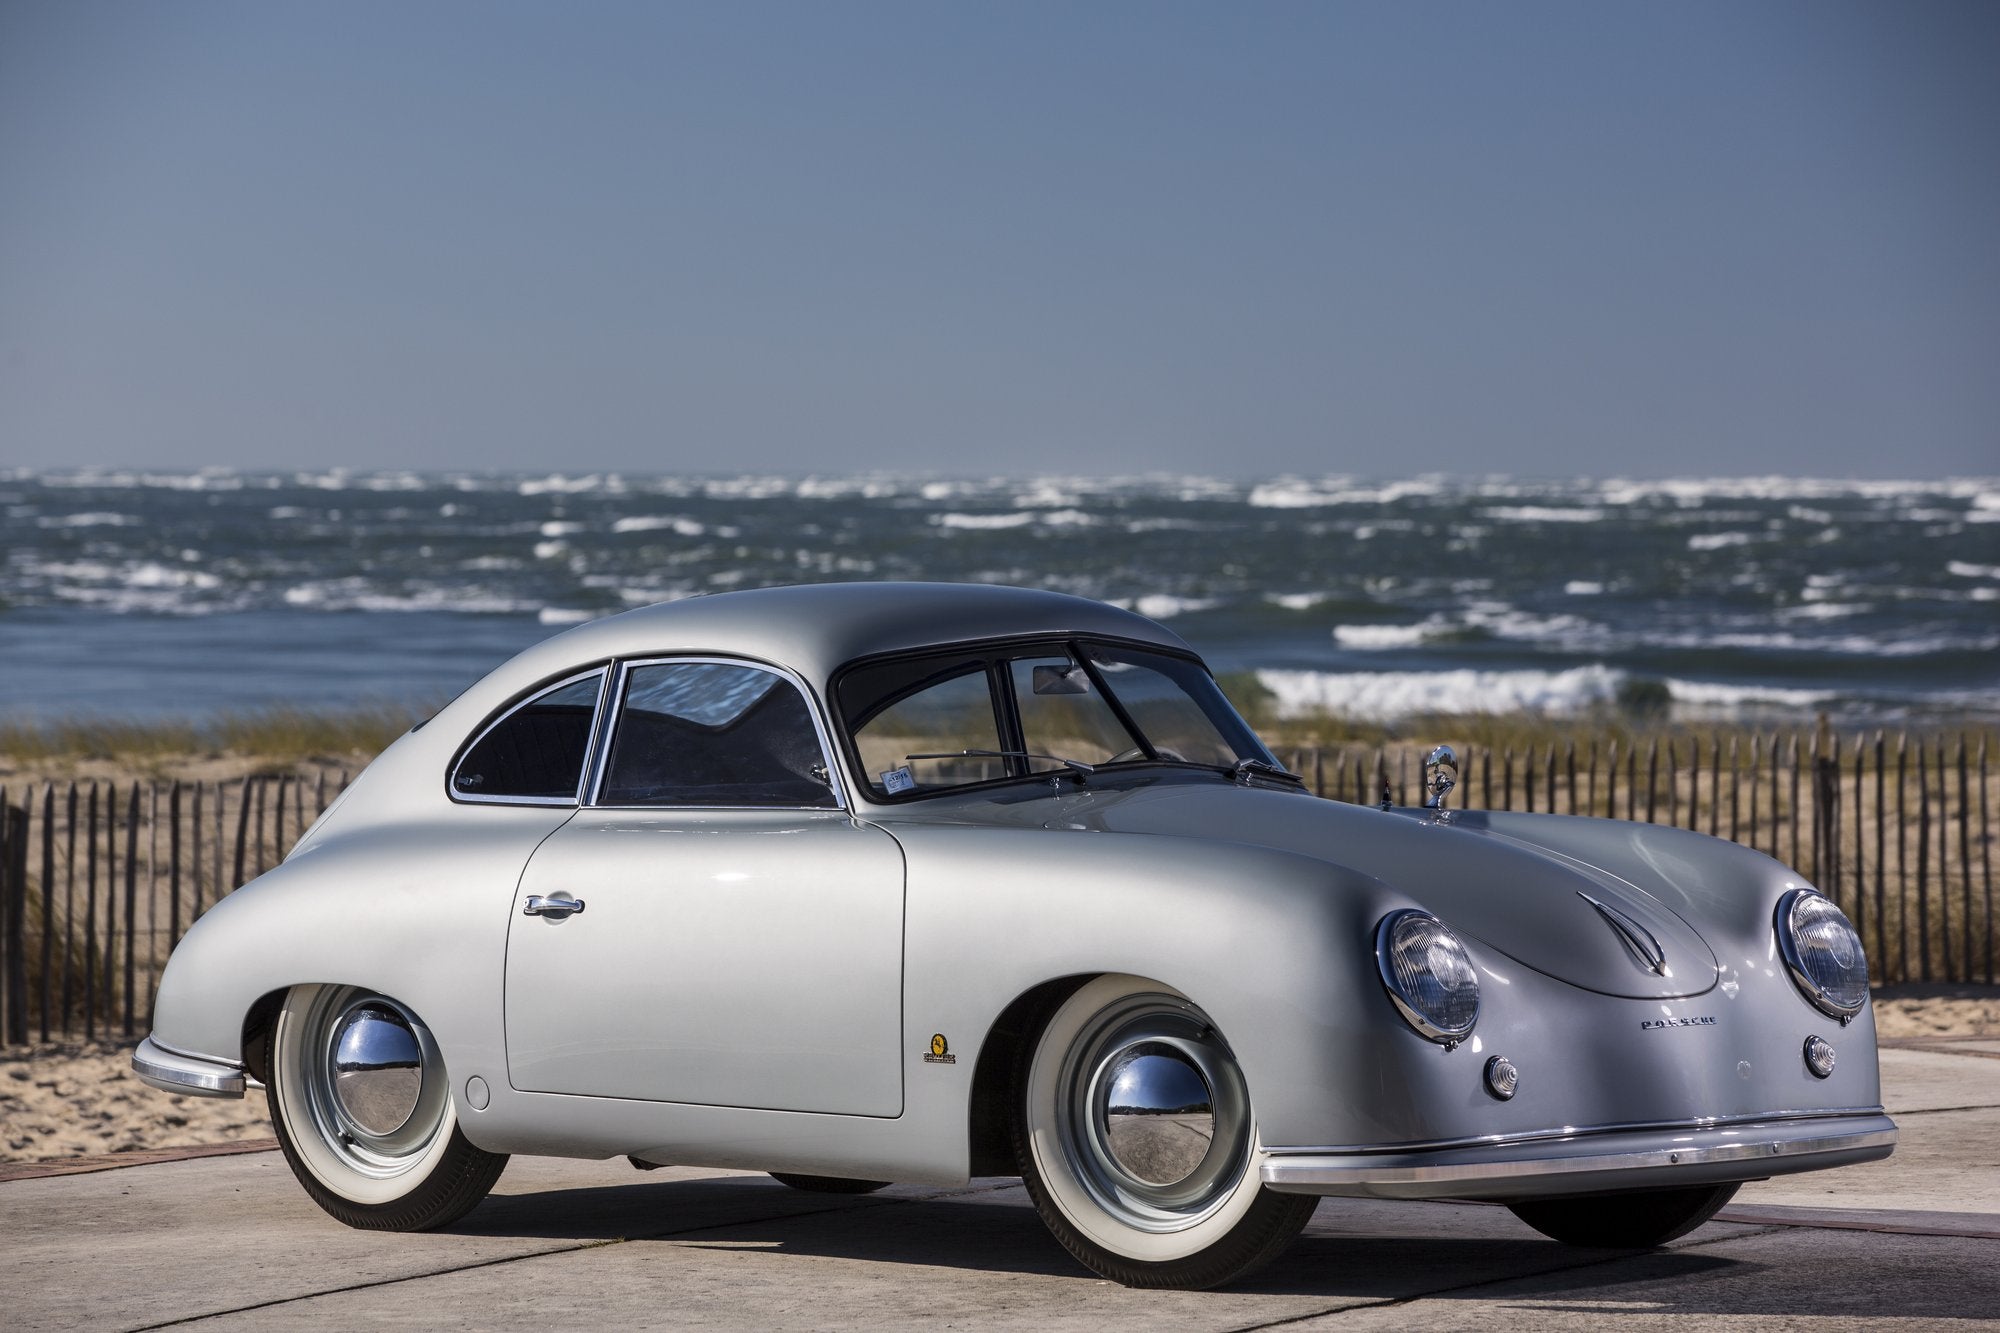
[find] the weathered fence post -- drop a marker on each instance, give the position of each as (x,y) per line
(1986,858)
(1881,847)
(1923,864)
(131,898)
(242,834)
(15,905)
(1610,785)
(48,901)
(90,924)
(1965,853)
(110,989)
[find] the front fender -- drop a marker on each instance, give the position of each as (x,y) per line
(414,910)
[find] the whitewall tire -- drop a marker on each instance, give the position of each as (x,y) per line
(1137,1139)
(363,1109)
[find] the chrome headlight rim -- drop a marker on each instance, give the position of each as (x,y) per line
(1802,978)
(1420,1022)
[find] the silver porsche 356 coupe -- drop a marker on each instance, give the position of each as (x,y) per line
(916,882)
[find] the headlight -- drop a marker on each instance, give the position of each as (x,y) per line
(1823,953)
(1428,974)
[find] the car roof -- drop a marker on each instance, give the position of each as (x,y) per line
(815,628)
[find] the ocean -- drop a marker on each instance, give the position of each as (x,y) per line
(189,594)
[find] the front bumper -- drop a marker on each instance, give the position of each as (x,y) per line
(189,1075)
(1568,1161)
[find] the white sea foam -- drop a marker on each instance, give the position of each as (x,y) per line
(561,615)
(1504,622)
(680,524)
(845,488)
(1296,601)
(551,549)
(1817,610)
(1583,588)
(556,484)
(356,594)
(1165,606)
(982,522)
(1965,570)
(1858,645)
(1376,638)
(1294,493)
(1388,695)
(1716,541)
(89,521)
(1542,514)
(1047,495)
(1068,518)
(558,528)
(1715,695)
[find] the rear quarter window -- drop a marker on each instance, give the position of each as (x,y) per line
(536,750)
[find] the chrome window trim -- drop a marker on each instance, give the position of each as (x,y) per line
(612,705)
(465,750)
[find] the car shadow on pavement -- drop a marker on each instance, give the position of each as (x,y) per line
(1350,1253)
(993,1229)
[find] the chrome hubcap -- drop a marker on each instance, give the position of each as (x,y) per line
(378,1068)
(373,1081)
(1154,1119)
(1159,1115)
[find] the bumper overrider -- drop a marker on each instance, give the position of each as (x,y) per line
(189,1075)
(1587,1161)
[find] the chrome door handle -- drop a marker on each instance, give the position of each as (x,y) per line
(559,908)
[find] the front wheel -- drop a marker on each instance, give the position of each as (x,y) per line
(1137,1140)
(1636,1221)
(363,1111)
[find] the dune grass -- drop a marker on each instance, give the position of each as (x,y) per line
(272,735)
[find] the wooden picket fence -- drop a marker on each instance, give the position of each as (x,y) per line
(99,880)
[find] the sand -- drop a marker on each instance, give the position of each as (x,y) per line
(83,1100)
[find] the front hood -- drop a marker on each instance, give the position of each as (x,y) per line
(1552,911)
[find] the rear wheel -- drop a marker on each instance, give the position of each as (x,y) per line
(1636,1221)
(1137,1140)
(363,1110)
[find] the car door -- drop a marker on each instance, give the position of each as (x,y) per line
(713,927)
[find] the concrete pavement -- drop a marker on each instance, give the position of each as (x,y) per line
(232,1242)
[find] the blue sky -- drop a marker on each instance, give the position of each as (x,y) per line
(1549,239)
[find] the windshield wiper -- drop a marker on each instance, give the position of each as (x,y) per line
(1077,767)
(1248,768)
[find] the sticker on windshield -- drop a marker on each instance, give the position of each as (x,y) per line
(897,781)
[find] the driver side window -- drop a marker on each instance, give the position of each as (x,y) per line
(944,712)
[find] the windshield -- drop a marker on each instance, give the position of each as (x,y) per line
(922,724)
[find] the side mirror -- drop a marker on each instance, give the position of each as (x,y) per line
(1440,776)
